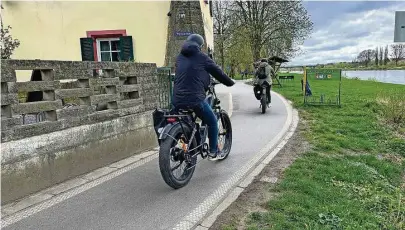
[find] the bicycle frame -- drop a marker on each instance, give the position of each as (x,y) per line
(190,120)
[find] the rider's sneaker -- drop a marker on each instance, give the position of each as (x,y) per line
(219,155)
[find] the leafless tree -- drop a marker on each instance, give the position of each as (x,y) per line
(376,56)
(381,56)
(269,21)
(386,58)
(366,56)
(222,27)
(397,52)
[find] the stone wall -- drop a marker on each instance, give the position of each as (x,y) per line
(185,16)
(94,119)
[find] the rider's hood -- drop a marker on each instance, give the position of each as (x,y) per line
(190,48)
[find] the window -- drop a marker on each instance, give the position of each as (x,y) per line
(107,45)
(108,49)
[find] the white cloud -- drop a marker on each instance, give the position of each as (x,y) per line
(346,36)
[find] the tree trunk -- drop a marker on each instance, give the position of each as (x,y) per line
(222,55)
(256,53)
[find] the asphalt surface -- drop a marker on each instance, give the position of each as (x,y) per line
(140,199)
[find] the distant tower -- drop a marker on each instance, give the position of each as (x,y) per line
(399,33)
(185,19)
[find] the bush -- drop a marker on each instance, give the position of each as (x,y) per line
(393,108)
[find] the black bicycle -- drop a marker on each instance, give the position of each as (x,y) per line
(182,138)
(260,93)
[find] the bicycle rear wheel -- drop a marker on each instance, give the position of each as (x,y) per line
(179,174)
(263,103)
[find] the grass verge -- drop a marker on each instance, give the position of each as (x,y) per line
(352,177)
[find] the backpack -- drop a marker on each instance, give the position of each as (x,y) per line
(261,72)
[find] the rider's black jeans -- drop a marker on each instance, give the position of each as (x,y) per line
(258,88)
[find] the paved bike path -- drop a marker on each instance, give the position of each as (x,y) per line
(139,199)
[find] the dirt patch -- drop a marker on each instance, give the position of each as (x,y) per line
(255,197)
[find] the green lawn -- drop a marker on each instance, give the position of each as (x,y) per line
(353,176)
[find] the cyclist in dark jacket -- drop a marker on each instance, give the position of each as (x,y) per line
(192,79)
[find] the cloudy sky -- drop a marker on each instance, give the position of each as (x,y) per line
(342,29)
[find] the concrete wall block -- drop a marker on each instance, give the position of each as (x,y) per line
(36,107)
(44,170)
(5,134)
(96,82)
(108,73)
(6,111)
(131,110)
(112,105)
(51,115)
(127,72)
(77,111)
(151,106)
(7,75)
(151,93)
(106,65)
(51,142)
(135,69)
(85,101)
(31,86)
(48,95)
(112,89)
(12,87)
(4,87)
(31,64)
(8,123)
(7,99)
(150,86)
(132,80)
(147,79)
(67,93)
(104,98)
(104,115)
(129,103)
(47,75)
(66,74)
(18,178)
(83,83)
(24,131)
(70,122)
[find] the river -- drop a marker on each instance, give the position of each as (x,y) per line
(386,76)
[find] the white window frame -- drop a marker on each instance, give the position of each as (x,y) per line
(98,40)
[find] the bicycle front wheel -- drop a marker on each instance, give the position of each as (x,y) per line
(225,133)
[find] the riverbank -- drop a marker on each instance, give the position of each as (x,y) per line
(346,166)
(372,68)
(385,76)
(402,67)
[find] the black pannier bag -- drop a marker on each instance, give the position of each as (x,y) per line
(159,121)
